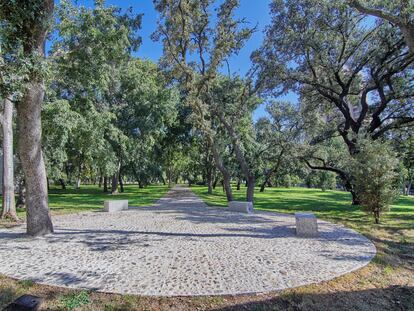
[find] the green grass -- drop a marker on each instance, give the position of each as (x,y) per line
(331,205)
(91,197)
(75,300)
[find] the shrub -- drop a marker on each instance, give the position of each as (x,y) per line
(374,168)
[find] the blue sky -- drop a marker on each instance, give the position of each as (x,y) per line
(256,12)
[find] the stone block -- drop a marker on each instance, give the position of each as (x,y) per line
(239,206)
(306,225)
(115,205)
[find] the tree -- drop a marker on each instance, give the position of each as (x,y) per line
(278,136)
(233,103)
(399,13)
(6,119)
(93,48)
(357,76)
(374,168)
(28,23)
(195,46)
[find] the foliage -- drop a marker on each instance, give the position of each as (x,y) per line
(75,300)
(374,168)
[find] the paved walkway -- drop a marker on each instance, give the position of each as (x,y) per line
(181,247)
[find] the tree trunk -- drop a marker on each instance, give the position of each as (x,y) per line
(209,185)
(238,184)
(62,183)
(121,184)
(9,206)
(226,175)
(21,194)
(408,185)
(377,216)
(105,184)
(100,181)
(355,199)
(262,186)
(114,185)
(215,183)
(247,171)
(250,188)
(29,109)
(227,187)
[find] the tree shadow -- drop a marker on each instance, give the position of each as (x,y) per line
(390,298)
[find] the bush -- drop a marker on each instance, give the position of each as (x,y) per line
(374,168)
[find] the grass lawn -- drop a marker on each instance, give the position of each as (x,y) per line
(91,197)
(385,284)
(330,205)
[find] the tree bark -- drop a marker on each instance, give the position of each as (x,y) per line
(226,175)
(105,184)
(114,185)
(215,183)
(250,188)
(209,185)
(21,194)
(247,171)
(29,109)
(100,181)
(9,206)
(405,25)
(238,184)
(62,183)
(121,184)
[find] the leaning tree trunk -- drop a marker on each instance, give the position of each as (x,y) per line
(226,175)
(9,207)
(29,109)
(240,156)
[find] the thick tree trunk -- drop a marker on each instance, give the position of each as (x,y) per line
(238,184)
(9,206)
(250,188)
(105,184)
(209,186)
(114,185)
(227,187)
(29,109)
